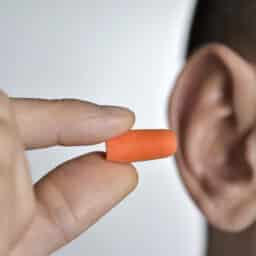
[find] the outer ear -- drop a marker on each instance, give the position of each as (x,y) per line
(213,111)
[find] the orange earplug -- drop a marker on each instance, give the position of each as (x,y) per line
(141,145)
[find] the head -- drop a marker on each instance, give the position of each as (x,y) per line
(213,111)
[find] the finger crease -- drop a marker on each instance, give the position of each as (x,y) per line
(56,214)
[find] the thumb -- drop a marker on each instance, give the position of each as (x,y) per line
(73,197)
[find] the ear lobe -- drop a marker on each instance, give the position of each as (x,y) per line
(213,110)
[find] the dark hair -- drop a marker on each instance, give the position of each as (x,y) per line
(230,22)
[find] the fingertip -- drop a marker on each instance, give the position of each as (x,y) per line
(124,176)
(130,177)
(124,117)
(132,118)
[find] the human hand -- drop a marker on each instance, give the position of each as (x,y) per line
(39,219)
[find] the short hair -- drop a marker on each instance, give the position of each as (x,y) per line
(230,22)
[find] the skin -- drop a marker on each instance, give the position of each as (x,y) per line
(213,111)
(39,219)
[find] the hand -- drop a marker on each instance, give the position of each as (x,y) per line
(37,220)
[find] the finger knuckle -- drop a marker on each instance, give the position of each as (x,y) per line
(67,102)
(70,104)
(62,211)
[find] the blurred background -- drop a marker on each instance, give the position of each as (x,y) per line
(110,52)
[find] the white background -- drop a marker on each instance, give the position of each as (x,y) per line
(110,52)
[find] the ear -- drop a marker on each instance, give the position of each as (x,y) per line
(213,111)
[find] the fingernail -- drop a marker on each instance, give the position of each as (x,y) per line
(119,112)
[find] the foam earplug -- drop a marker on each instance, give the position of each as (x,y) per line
(141,145)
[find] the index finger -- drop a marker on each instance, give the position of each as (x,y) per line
(44,123)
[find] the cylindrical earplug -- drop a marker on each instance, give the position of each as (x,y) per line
(141,145)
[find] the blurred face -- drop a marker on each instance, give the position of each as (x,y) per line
(213,111)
